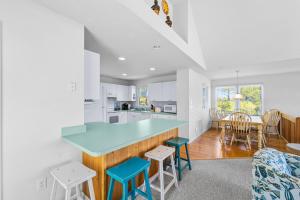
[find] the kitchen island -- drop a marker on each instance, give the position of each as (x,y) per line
(105,145)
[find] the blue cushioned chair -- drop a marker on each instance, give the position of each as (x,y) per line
(276,175)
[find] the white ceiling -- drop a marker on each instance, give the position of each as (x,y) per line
(114,31)
(256,37)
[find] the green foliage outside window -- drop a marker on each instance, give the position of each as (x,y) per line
(251,104)
(143,96)
(225,100)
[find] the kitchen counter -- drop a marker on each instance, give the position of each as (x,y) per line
(106,145)
(101,138)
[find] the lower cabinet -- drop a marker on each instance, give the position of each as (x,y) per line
(123,117)
(164,116)
(137,116)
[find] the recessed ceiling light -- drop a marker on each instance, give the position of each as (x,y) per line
(124,74)
(121,58)
(156,46)
(152,68)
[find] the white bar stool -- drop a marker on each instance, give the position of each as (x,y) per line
(159,154)
(70,176)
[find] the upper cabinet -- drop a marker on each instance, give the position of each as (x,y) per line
(120,92)
(165,91)
(91,75)
(169,91)
(155,92)
(111,89)
(132,93)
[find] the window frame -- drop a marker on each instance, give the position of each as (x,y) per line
(139,95)
(238,88)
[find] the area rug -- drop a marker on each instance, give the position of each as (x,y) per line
(228,179)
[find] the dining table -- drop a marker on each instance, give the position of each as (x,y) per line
(256,122)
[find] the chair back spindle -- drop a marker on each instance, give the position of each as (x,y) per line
(241,123)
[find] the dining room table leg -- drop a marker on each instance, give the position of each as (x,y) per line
(259,127)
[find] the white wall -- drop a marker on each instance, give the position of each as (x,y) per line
(180,19)
(182,92)
(42,54)
(281,91)
(1,143)
(189,102)
(198,117)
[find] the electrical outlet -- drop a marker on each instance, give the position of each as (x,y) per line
(41,184)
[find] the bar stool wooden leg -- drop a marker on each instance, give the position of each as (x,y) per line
(91,189)
(78,193)
(161,177)
(179,162)
(188,156)
(111,188)
(53,191)
(133,189)
(174,171)
(125,191)
(68,194)
(148,189)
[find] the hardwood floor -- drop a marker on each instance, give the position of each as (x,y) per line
(208,147)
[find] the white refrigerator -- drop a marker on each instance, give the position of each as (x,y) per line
(96,110)
(92,91)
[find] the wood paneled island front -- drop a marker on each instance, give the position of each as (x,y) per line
(106,145)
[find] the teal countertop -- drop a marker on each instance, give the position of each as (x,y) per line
(100,138)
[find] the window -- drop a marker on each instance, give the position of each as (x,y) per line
(224,98)
(251,103)
(143,96)
(204,97)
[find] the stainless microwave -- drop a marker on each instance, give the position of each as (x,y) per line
(170,108)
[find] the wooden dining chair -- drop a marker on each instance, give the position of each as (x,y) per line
(265,119)
(273,123)
(241,128)
(214,117)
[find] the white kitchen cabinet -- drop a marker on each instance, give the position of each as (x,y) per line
(111,89)
(131,93)
(133,116)
(145,116)
(122,93)
(91,75)
(169,91)
(165,91)
(155,92)
(163,116)
(137,116)
(123,117)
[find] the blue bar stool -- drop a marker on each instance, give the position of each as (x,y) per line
(177,143)
(127,171)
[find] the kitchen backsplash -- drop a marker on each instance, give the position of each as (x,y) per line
(162,103)
(156,104)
